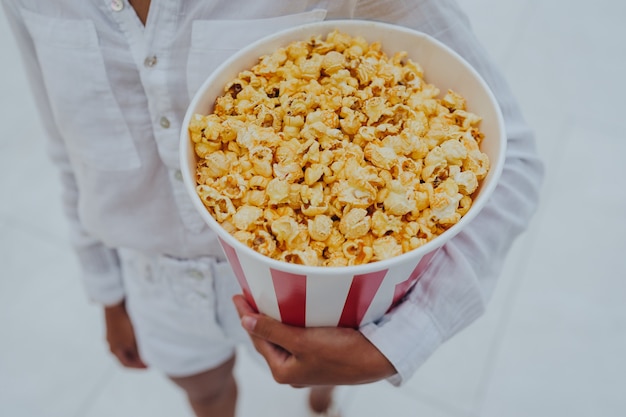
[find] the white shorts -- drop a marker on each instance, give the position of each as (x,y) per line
(182,311)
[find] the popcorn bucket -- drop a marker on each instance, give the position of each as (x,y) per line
(349,296)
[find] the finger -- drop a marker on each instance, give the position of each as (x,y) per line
(135,357)
(263,327)
(275,355)
(273,331)
(121,356)
(136,362)
(248,318)
(129,358)
(283,365)
(242,305)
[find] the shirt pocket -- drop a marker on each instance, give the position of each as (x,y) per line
(214,41)
(85,110)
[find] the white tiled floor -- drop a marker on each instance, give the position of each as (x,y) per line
(553,342)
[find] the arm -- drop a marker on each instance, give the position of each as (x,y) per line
(455,289)
(100,265)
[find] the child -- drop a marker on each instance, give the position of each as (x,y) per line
(112,80)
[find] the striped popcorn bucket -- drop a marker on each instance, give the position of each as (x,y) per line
(315,296)
(348,296)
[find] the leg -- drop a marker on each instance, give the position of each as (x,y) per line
(320,398)
(212,393)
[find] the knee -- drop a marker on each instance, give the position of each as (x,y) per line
(209,386)
(214,392)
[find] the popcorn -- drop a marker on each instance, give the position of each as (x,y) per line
(329,153)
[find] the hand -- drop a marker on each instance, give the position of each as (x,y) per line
(313,356)
(121,336)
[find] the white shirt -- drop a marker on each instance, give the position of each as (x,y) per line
(112,95)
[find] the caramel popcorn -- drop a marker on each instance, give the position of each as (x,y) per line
(330,153)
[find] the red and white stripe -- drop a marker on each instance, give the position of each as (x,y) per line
(344,300)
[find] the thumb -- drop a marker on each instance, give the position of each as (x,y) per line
(264,327)
(272,331)
(271,340)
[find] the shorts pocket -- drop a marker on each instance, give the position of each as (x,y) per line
(190,282)
(214,41)
(85,110)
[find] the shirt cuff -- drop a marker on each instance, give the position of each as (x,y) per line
(425,337)
(445,299)
(419,331)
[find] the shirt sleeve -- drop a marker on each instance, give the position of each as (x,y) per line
(455,288)
(100,264)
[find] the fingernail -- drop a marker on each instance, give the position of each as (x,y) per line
(248,323)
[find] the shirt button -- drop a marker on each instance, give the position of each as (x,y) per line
(178,175)
(164,122)
(150,61)
(117,5)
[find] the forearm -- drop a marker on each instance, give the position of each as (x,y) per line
(456,287)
